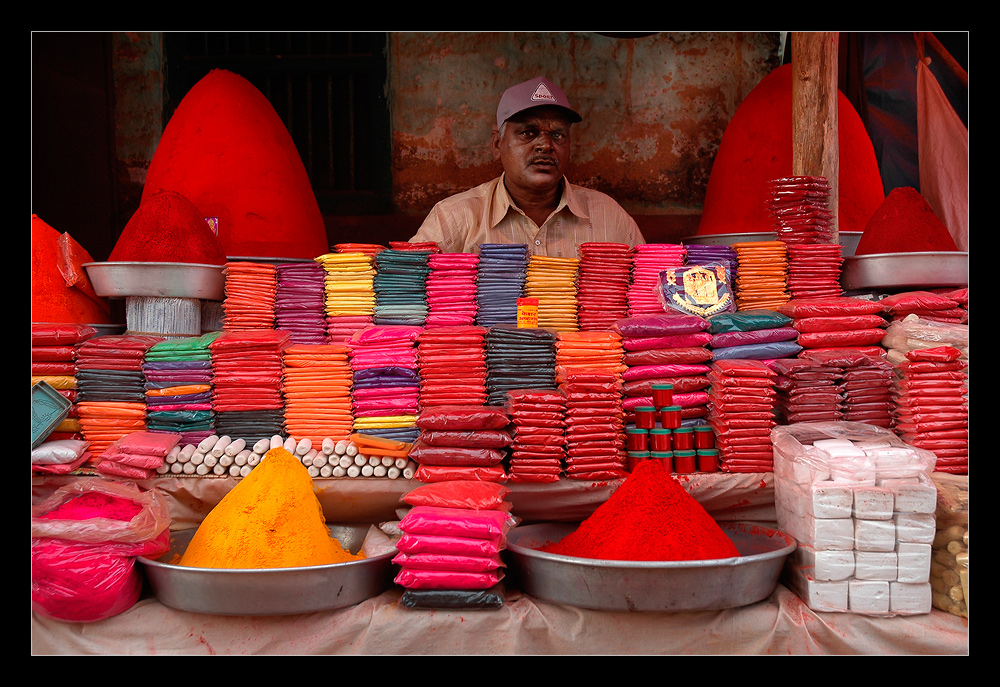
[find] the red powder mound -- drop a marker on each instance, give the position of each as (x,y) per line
(650,517)
(53,299)
(905,223)
(226,149)
(757,148)
(168,227)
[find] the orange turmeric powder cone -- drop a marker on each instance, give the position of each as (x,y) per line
(270,519)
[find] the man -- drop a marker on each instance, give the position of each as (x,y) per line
(531,202)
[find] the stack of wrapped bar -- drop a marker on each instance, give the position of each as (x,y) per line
(519,357)
(300,301)
(386,381)
(179,387)
(500,282)
(459,441)
(538,451)
(452,365)
(742,413)
(349,292)
(451,289)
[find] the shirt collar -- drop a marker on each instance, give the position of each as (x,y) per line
(570,199)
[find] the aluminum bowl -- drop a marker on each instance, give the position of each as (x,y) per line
(157,279)
(931,269)
(644,585)
(272,591)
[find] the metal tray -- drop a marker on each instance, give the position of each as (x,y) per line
(648,586)
(158,279)
(48,409)
(905,271)
(274,591)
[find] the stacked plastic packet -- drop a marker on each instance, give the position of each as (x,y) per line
(251,288)
(703,254)
(349,293)
(741,413)
(799,207)
(519,357)
(838,322)
(665,348)
(400,286)
(932,405)
(451,289)
(808,388)
(500,282)
(860,504)
(595,422)
(112,399)
(814,270)
(316,386)
(247,382)
(386,381)
(538,427)
(179,387)
(605,274)
(759,334)
(300,301)
(452,365)
(450,549)
(461,442)
(139,455)
(553,282)
(53,360)
(648,260)
(761,274)
(949,307)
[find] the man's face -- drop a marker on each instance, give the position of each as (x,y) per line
(534,149)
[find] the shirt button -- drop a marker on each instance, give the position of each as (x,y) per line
(537,242)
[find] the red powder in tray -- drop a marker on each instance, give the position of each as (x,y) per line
(168,227)
(650,517)
(904,223)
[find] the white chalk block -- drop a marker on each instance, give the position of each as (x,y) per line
(908,598)
(832,500)
(826,564)
(819,595)
(917,528)
(829,533)
(874,535)
(875,565)
(868,596)
(913,561)
(913,497)
(873,503)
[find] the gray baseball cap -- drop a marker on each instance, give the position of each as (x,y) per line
(535,92)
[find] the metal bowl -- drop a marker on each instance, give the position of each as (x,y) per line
(644,585)
(272,591)
(157,279)
(931,269)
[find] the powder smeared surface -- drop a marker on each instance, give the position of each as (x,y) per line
(650,517)
(270,519)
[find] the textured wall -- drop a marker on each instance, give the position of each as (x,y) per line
(654,108)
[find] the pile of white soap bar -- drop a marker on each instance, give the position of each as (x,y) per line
(863,513)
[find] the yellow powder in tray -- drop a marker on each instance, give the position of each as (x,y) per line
(270,519)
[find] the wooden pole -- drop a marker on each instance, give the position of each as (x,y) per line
(815,142)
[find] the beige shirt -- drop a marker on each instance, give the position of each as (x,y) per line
(487,214)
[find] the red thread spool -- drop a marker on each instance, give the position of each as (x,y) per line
(685,461)
(637,439)
(645,417)
(704,437)
(660,439)
(684,439)
(666,459)
(635,457)
(708,460)
(663,395)
(670,417)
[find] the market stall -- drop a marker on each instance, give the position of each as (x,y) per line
(751,443)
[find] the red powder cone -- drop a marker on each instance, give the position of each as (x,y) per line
(168,227)
(53,297)
(226,149)
(757,148)
(905,223)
